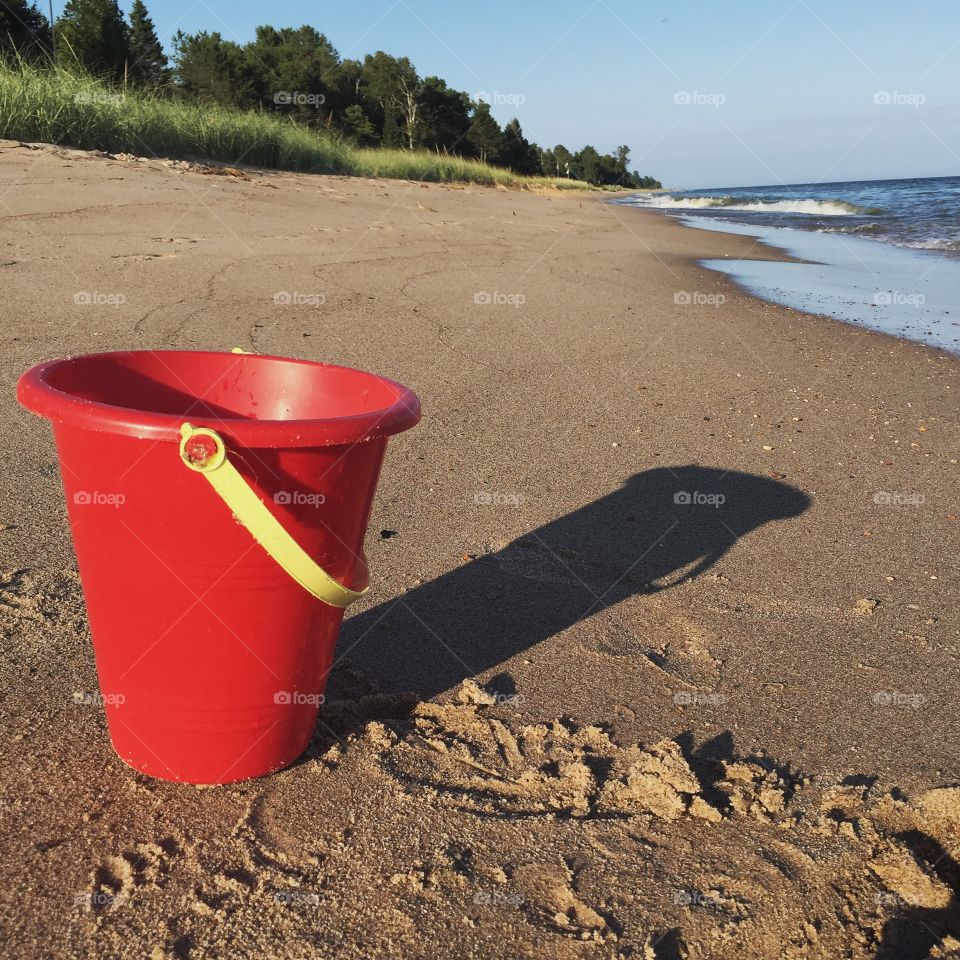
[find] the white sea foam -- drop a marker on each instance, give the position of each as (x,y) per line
(938,243)
(903,292)
(823,208)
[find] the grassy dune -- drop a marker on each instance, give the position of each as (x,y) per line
(57,106)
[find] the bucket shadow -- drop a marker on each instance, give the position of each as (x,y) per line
(661,528)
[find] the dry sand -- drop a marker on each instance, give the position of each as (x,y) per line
(599,756)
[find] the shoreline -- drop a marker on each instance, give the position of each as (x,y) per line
(855,280)
(659,520)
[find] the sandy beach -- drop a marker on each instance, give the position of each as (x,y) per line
(660,657)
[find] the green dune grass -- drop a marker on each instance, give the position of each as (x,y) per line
(53,105)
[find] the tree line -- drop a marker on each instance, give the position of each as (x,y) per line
(378,101)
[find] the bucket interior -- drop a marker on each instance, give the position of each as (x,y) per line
(222,385)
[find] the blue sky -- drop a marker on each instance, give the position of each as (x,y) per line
(705,93)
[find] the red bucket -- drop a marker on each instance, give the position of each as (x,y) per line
(218,504)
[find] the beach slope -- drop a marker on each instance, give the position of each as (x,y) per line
(660,657)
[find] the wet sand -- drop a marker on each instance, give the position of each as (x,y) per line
(660,658)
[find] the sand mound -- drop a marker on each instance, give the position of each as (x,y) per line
(460,826)
(553,839)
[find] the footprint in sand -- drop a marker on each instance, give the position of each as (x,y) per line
(118,878)
(549,895)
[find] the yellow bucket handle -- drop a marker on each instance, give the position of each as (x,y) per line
(210,459)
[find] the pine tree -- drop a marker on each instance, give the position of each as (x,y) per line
(93,35)
(358,127)
(444,117)
(485,136)
(211,69)
(391,137)
(391,83)
(563,161)
(587,164)
(23,29)
(518,153)
(148,63)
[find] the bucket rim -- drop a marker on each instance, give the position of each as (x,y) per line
(60,407)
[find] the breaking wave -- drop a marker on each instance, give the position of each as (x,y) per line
(823,208)
(937,243)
